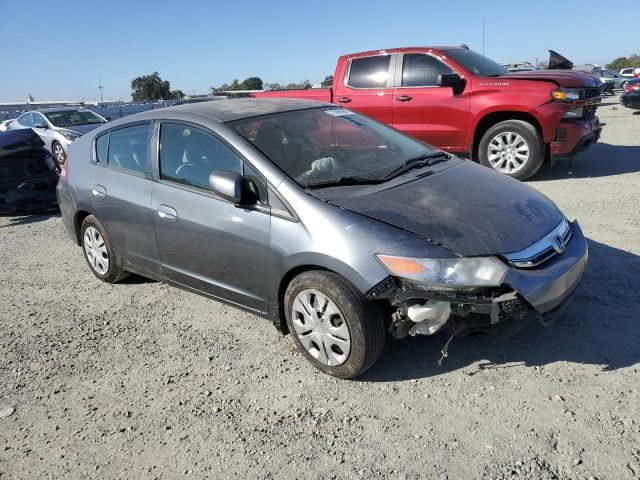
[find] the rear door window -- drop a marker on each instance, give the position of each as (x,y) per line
(129,148)
(188,155)
(420,70)
(369,72)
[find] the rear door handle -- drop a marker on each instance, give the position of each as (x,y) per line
(404,98)
(344,100)
(167,213)
(99,191)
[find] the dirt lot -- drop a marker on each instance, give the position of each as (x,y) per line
(141,380)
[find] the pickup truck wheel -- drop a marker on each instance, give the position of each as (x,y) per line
(334,326)
(512,147)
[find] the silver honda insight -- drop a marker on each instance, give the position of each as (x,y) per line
(337,228)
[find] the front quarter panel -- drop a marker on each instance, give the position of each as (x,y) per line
(329,237)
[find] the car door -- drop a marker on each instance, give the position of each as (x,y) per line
(205,242)
(367,86)
(121,193)
(423,109)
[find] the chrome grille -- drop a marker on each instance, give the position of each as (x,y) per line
(551,245)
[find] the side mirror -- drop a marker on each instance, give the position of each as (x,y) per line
(227,184)
(452,80)
(40,125)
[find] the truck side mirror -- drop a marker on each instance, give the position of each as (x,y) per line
(452,80)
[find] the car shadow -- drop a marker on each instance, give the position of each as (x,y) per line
(599,327)
(600,160)
(25,219)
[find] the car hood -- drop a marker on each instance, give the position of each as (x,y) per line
(468,209)
(563,78)
(82,129)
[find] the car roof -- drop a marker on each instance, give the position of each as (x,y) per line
(230,110)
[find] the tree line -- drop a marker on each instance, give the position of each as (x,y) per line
(153,87)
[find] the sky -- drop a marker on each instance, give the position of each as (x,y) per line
(60,50)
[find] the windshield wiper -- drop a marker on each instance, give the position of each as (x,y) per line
(344,181)
(424,160)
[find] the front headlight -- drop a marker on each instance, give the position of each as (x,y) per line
(566,94)
(70,136)
(447,272)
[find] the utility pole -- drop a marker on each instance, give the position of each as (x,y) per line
(100,88)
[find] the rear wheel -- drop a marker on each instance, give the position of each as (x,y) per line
(512,147)
(99,253)
(333,325)
(58,153)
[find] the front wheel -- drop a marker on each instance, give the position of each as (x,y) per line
(334,326)
(58,153)
(512,147)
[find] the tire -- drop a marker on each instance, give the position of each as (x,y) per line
(58,153)
(348,316)
(99,253)
(508,134)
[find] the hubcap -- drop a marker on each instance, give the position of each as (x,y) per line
(58,151)
(508,152)
(321,328)
(96,250)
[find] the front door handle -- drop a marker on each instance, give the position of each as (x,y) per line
(344,100)
(99,191)
(404,98)
(167,213)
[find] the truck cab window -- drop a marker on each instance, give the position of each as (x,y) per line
(369,72)
(420,70)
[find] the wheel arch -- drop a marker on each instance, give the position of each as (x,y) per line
(322,263)
(492,118)
(77,223)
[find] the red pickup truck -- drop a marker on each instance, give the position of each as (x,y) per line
(464,103)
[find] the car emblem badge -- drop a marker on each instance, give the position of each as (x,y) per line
(559,244)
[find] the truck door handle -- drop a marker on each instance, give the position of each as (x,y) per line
(99,191)
(344,100)
(404,98)
(167,213)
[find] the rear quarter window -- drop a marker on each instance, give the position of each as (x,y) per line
(102,148)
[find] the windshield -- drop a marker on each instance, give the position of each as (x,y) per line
(324,145)
(476,63)
(73,118)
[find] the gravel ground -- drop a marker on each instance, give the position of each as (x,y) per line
(141,380)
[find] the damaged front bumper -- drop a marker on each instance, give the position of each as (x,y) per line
(539,293)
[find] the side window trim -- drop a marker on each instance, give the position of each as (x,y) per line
(390,77)
(400,67)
